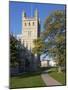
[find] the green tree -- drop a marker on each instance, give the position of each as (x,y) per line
(38,49)
(39,46)
(13,50)
(54,36)
(19,55)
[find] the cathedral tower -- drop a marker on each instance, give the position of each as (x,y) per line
(30,29)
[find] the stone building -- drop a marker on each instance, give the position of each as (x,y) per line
(30,31)
(48,63)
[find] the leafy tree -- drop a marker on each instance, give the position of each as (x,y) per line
(19,55)
(54,36)
(38,49)
(38,46)
(13,50)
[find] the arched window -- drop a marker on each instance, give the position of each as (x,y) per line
(29,23)
(33,23)
(27,45)
(25,24)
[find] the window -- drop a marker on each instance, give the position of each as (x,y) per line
(33,23)
(25,24)
(29,23)
(26,45)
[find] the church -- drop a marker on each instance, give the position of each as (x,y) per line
(30,32)
(30,29)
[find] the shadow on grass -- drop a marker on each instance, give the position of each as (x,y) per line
(27,74)
(35,73)
(25,81)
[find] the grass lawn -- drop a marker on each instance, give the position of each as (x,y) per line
(26,80)
(58,76)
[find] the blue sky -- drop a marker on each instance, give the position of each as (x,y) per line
(16,9)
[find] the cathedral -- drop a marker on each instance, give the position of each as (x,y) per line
(30,32)
(30,29)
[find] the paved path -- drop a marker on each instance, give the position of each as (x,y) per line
(49,81)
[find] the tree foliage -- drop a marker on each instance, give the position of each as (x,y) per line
(53,42)
(19,55)
(13,49)
(54,35)
(39,46)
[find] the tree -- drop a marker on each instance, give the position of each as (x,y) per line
(13,50)
(54,36)
(38,46)
(19,55)
(38,49)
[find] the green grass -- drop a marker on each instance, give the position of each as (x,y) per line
(26,80)
(58,76)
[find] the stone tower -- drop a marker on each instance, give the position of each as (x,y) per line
(30,29)
(30,32)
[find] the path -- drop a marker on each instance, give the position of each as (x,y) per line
(49,81)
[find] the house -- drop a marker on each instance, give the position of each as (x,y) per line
(48,63)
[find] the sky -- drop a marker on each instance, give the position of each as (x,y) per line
(16,10)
